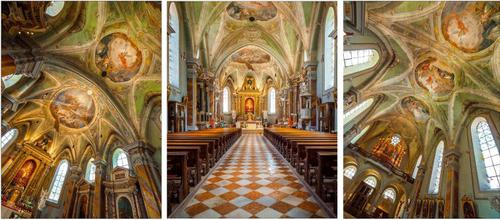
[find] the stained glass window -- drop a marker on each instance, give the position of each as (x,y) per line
(389,194)
(350,171)
(488,158)
(225,100)
(58,181)
(8,137)
(173,47)
(436,169)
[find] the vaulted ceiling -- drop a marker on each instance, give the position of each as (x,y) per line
(269,37)
(440,63)
(101,77)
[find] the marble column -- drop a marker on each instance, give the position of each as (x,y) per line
(75,174)
(98,210)
(147,176)
(451,170)
(192,74)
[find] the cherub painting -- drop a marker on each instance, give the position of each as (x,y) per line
(74,108)
(416,107)
(471,26)
(118,57)
(261,11)
(434,78)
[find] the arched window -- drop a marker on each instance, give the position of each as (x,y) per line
(11,79)
(350,171)
(120,159)
(358,109)
(486,155)
(436,169)
(225,100)
(389,194)
(272,100)
(90,171)
(329,48)
(173,47)
(415,170)
(54,8)
(357,137)
(359,60)
(58,181)
(9,137)
(371,181)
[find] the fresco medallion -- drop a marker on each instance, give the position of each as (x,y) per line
(471,26)
(431,76)
(118,57)
(73,108)
(261,11)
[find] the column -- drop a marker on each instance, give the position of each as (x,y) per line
(98,210)
(192,84)
(75,174)
(147,176)
(451,198)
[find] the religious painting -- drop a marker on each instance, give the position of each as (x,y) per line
(249,105)
(124,208)
(83,207)
(117,57)
(468,207)
(471,26)
(249,84)
(432,76)
(73,108)
(416,107)
(249,56)
(260,11)
(24,174)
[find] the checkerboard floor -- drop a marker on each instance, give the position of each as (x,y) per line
(253,181)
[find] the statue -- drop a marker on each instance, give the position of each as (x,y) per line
(43,199)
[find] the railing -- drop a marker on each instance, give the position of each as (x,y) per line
(392,168)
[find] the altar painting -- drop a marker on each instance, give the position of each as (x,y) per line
(249,105)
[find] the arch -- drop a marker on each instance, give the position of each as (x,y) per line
(486,154)
(173,46)
(124,208)
(226,100)
(9,137)
(350,171)
(90,171)
(436,169)
(272,100)
(120,159)
(415,170)
(358,109)
(389,194)
(329,49)
(58,181)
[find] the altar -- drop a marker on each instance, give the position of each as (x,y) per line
(250,127)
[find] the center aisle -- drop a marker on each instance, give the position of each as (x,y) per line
(252,181)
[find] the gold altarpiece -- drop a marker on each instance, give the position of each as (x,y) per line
(248,101)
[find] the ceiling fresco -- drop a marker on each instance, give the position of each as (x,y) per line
(261,11)
(100,78)
(73,108)
(438,64)
(250,36)
(434,78)
(471,26)
(118,57)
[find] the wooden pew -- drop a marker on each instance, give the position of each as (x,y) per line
(327,171)
(177,177)
(311,160)
(194,163)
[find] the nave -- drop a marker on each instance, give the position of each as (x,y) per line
(251,181)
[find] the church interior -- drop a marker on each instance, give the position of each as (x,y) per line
(81,106)
(422,109)
(251,129)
